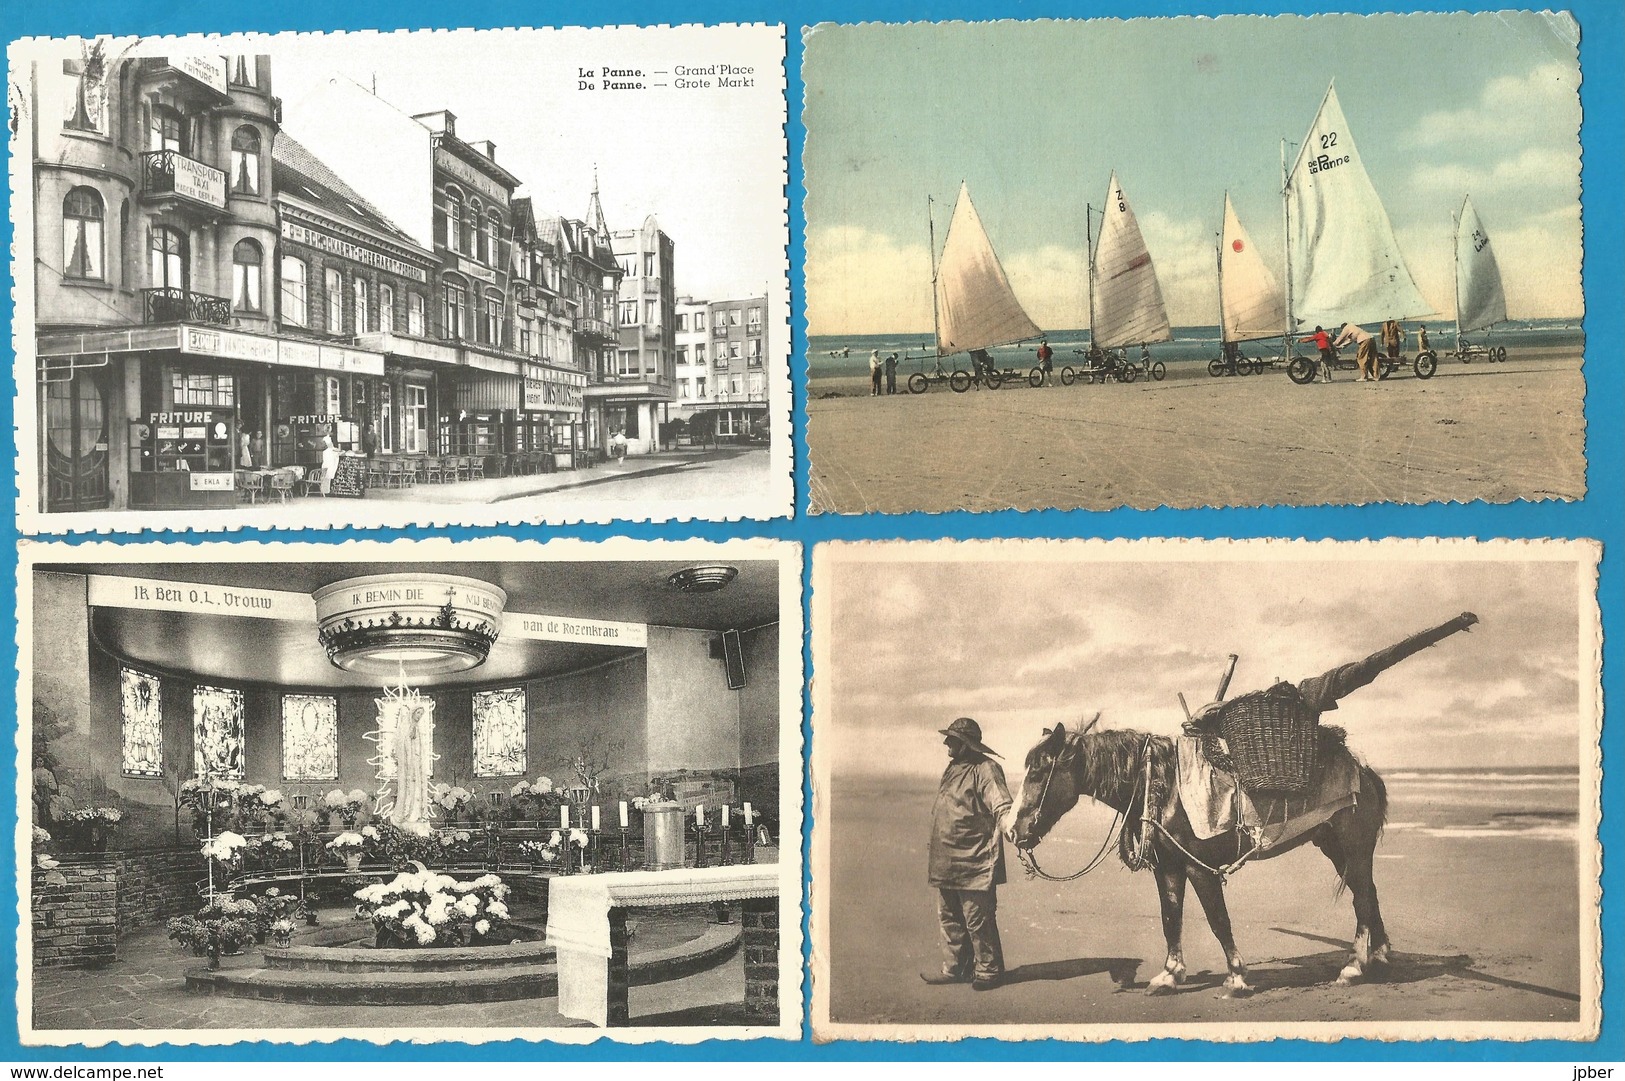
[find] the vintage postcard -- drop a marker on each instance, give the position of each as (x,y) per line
(1099,264)
(432,278)
(414,791)
(1051,781)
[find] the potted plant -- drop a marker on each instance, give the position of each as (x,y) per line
(226,850)
(452,800)
(421,908)
(223,926)
(349,847)
(91,827)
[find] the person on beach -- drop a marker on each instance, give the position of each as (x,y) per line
(1328,356)
(875,366)
(1366,352)
(1422,338)
(256,449)
(1392,337)
(1046,361)
(971,817)
(981,363)
(891,373)
(245,457)
(1145,356)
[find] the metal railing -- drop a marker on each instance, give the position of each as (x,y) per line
(598,328)
(169,172)
(171,305)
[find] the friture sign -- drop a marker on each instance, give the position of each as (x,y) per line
(346,249)
(457,167)
(208,70)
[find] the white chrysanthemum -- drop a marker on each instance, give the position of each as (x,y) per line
(468,905)
(497,910)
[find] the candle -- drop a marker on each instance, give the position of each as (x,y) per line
(724,816)
(595,826)
(699,815)
(623,815)
(564,816)
(747,813)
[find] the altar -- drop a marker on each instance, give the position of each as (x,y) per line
(587,927)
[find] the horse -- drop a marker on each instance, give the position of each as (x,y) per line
(1130,771)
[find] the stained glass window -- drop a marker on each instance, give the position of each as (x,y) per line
(143,725)
(499,732)
(217,732)
(310,737)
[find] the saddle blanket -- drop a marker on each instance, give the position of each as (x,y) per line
(1216,804)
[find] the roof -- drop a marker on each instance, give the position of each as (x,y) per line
(297,172)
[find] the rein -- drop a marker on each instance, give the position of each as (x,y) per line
(1114,832)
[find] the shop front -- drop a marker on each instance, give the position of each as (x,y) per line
(552,432)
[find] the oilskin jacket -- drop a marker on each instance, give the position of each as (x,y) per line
(967,848)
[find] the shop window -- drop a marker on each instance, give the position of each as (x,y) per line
(310,737)
(202,388)
(245,161)
(417,419)
(82,235)
(295,294)
(169,263)
(499,732)
(87,109)
(386,307)
(141,724)
(456,313)
(333,283)
(359,286)
(246,259)
(243,70)
(414,314)
(217,732)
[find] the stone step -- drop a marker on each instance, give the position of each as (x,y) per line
(362,959)
(437,987)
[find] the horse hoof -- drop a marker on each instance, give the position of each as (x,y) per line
(1351,974)
(1164,983)
(1237,987)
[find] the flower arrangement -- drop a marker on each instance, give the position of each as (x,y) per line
(276,908)
(270,846)
(45,861)
(225,849)
(346,805)
(528,799)
(348,844)
(221,926)
(453,842)
(422,908)
(539,851)
(451,799)
(102,816)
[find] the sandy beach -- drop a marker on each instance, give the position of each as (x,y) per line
(1483,906)
(1499,433)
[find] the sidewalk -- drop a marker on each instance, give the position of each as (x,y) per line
(501,489)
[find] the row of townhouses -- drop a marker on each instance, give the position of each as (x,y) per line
(214,292)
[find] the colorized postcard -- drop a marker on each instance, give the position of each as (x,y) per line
(423,791)
(1092,264)
(430,278)
(1051,780)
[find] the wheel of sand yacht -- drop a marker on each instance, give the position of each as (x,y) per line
(1128,373)
(993,379)
(1159,370)
(1501,354)
(918,384)
(1301,371)
(1068,376)
(1256,366)
(1215,367)
(1425,365)
(959,381)
(1035,378)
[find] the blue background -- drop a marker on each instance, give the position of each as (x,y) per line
(1599,515)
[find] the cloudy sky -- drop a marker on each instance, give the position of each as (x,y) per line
(707,163)
(1036,116)
(1049,632)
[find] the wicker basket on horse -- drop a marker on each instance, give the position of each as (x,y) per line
(1270,736)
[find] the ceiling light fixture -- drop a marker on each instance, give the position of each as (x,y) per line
(425,624)
(706,578)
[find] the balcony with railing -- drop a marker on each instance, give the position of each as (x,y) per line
(595,328)
(171,305)
(170,175)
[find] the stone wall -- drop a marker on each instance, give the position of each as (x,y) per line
(155,884)
(759,936)
(76,921)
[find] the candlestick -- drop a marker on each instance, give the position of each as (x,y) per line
(564,816)
(747,813)
(699,815)
(595,825)
(724,816)
(624,823)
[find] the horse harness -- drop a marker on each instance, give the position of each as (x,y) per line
(1140,854)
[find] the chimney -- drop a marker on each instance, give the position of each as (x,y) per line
(443,122)
(486,147)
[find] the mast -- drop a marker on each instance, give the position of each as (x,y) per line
(1456,266)
(1089,256)
(936,323)
(1218,253)
(1286,248)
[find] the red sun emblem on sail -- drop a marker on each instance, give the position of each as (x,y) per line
(1236,245)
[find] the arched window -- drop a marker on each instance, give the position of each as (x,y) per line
(473,236)
(168,265)
(456,313)
(82,235)
(359,287)
(166,130)
(295,292)
(246,260)
(245,161)
(386,307)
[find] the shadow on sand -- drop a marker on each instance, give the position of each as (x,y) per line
(1121,969)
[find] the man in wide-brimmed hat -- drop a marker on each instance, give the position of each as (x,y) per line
(967,859)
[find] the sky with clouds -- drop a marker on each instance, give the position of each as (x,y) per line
(1023,636)
(1035,117)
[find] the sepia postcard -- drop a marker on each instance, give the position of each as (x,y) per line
(401,279)
(1098,263)
(419,791)
(1051,780)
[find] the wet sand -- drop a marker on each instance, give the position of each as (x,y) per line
(1499,433)
(1484,926)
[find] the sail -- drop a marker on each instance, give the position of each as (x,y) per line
(976,308)
(1344,262)
(1250,302)
(1128,306)
(1480,300)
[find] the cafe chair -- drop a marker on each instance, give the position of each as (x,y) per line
(377,472)
(409,472)
(476,467)
(312,484)
(282,485)
(250,484)
(431,471)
